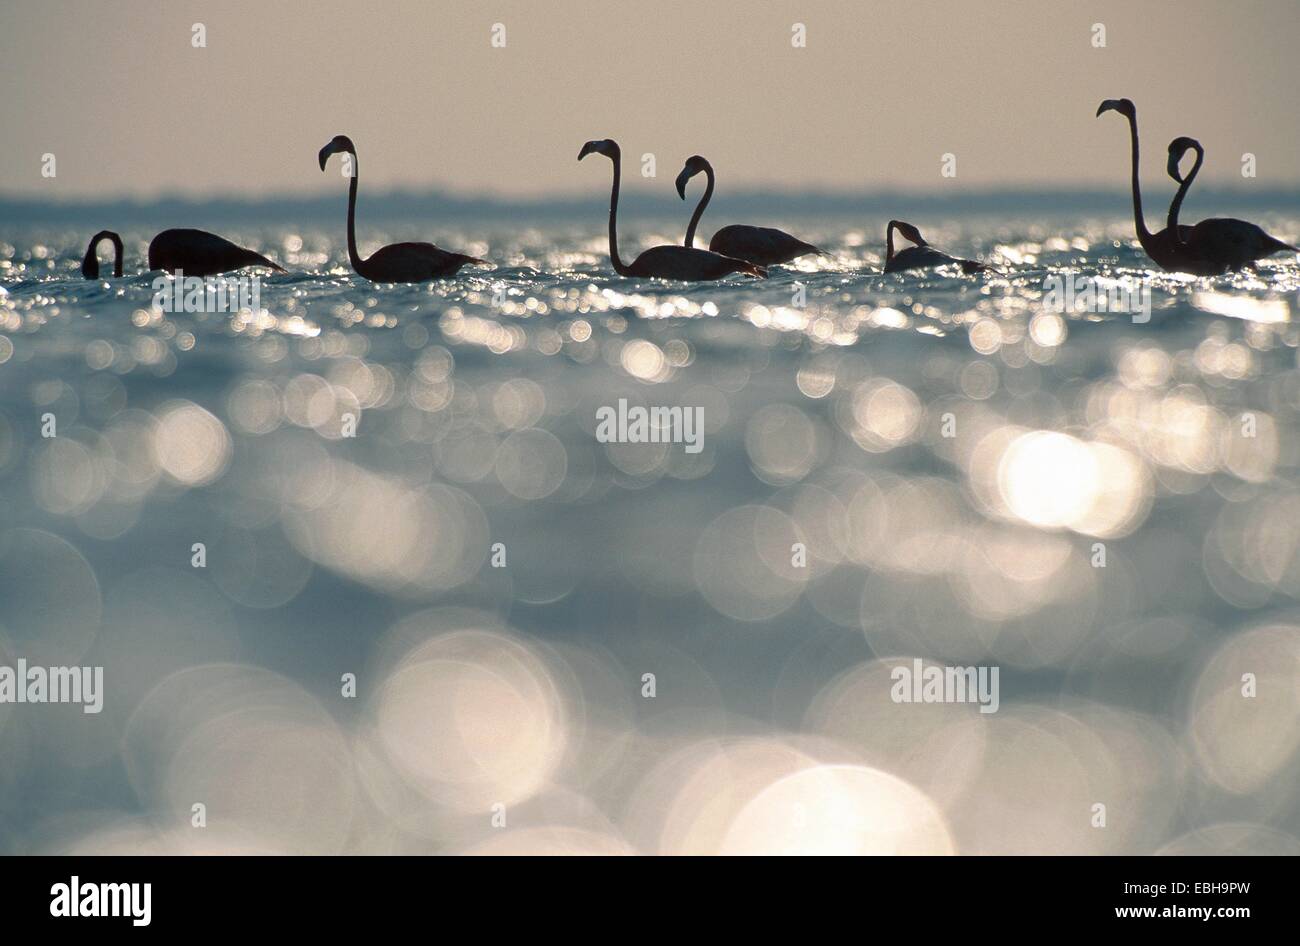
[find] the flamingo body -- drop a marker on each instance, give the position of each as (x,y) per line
(1227,244)
(766,246)
(688,264)
(199,253)
(927,257)
(412,262)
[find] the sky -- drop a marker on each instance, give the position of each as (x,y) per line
(874,100)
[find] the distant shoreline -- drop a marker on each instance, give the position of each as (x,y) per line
(392,205)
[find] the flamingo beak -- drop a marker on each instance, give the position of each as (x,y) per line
(325,153)
(591,147)
(682,180)
(1108,106)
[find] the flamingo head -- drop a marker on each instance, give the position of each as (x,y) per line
(606,146)
(338,144)
(694,165)
(1124,106)
(1177,148)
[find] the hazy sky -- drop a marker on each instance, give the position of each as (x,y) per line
(882,90)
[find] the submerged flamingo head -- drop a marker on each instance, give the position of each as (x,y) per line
(694,165)
(338,144)
(1124,106)
(1177,148)
(606,146)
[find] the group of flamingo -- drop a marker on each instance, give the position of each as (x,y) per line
(739,248)
(1210,248)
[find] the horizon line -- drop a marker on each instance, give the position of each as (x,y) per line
(795,201)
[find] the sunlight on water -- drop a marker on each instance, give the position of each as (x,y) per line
(566,645)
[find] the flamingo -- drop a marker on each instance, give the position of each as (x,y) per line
(922,255)
(765,246)
(90,264)
(191,252)
(1221,244)
(397,262)
(662,262)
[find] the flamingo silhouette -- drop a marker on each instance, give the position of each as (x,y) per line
(199,253)
(922,255)
(397,262)
(1220,244)
(662,262)
(90,263)
(765,246)
(191,252)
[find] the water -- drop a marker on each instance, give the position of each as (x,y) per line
(892,467)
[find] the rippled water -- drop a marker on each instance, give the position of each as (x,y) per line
(1106,511)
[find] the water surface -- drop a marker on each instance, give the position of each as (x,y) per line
(1103,508)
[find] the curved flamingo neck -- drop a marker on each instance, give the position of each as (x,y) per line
(889,240)
(1176,205)
(619,268)
(699,208)
(353,255)
(1144,235)
(90,263)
